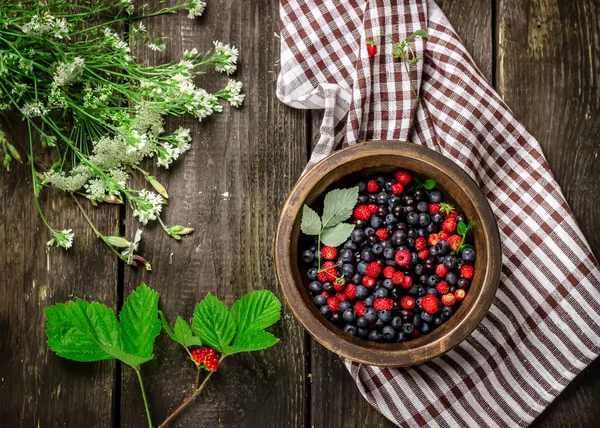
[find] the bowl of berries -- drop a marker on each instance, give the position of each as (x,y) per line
(388,253)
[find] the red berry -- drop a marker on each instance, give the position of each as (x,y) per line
(403,177)
(323,276)
(407,302)
(360,308)
(199,354)
(448,299)
(373,269)
(454,242)
(407,281)
(338,287)
(397,188)
(467,271)
(325,294)
(328,272)
(362,212)
(433,208)
(342,297)
(443,236)
(372,186)
(430,304)
(382,303)
(329,253)
(453,214)
(388,272)
(420,244)
(397,278)
(433,239)
(442,287)
(416,333)
(212,363)
(423,254)
(334,304)
(403,257)
(441,270)
(373,208)
(351,291)
(449,225)
(368,281)
(460,294)
(371,50)
(382,234)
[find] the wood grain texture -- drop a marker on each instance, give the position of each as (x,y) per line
(38,388)
(547,72)
(230,187)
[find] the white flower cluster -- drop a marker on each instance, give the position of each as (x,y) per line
(225,57)
(34,109)
(46,24)
(127,6)
(98,189)
(62,238)
(69,183)
(68,72)
(195,8)
(156,47)
(232,93)
(177,144)
(147,206)
(119,45)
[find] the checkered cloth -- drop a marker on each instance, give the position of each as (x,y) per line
(543,327)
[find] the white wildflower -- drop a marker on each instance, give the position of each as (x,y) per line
(133,246)
(60,29)
(68,72)
(182,136)
(34,109)
(69,183)
(62,238)
(195,8)
(141,28)
(155,47)
(136,141)
(127,6)
(147,206)
(232,93)
(46,24)
(189,55)
(225,58)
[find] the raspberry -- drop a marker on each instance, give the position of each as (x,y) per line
(454,242)
(360,308)
(467,271)
(443,236)
(420,244)
(407,302)
(460,294)
(212,363)
(342,297)
(368,281)
(423,254)
(372,186)
(433,208)
(407,281)
(397,278)
(351,291)
(448,299)
(433,239)
(382,303)
(362,212)
(199,355)
(430,304)
(323,276)
(330,270)
(397,188)
(441,270)
(373,208)
(382,234)
(334,304)
(371,49)
(338,287)
(403,257)
(449,225)
(373,269)
(403,177)
(453,214)
(388,272)
(329,253)
(442,287)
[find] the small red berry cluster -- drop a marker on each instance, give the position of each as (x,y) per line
(206,357)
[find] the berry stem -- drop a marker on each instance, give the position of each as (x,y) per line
(139,375)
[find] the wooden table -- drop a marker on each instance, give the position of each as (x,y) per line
(542,56)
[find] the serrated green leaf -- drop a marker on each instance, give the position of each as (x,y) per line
(337,235)
(252,340)
(338,206)
(139,322)
(213,323)
(256,311)
(461,228)
(182,333)
(429,184)
(311,223)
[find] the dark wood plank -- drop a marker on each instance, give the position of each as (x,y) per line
(255,154)
(335,399)
(547,72)
(38,388)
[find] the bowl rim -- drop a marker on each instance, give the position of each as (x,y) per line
(356,350)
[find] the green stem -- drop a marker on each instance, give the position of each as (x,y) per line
(139,375)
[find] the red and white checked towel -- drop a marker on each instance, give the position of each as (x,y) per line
(544,326)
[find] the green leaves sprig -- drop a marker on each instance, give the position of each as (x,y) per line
(86,332)
(462,229)
(428,184)
(330,227)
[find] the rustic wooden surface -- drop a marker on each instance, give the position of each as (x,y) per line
(543,56)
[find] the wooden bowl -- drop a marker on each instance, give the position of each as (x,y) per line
(342,169)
